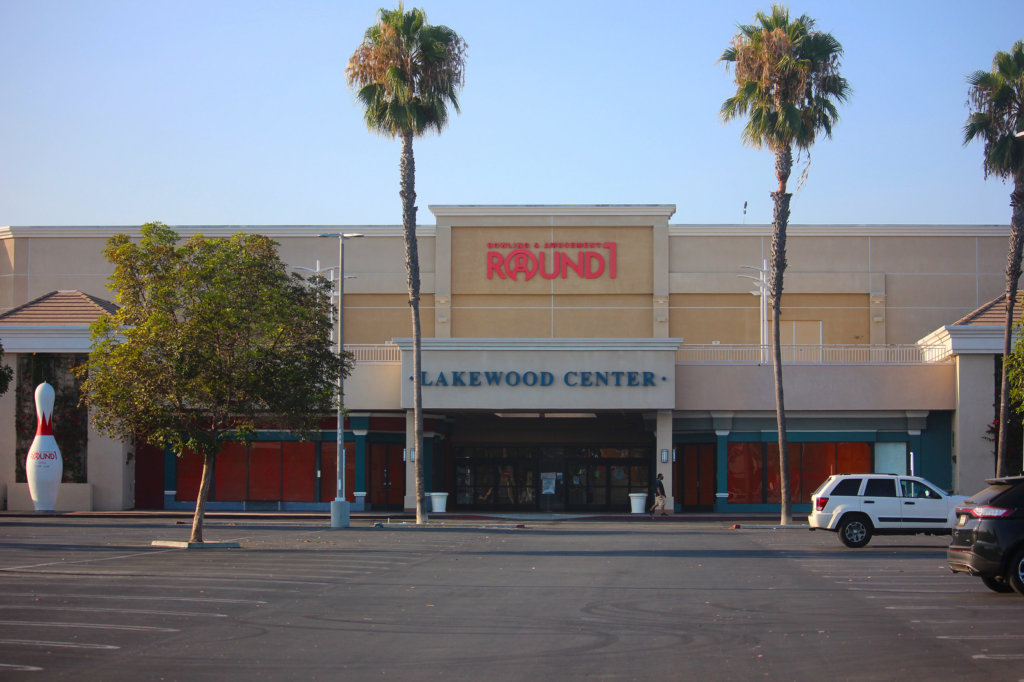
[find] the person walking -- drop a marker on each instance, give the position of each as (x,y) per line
(659,496)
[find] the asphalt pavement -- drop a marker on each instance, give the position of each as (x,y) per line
(503,599)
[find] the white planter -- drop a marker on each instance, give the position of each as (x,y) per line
(438,502)
(637,502)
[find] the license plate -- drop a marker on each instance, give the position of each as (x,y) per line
(962,521)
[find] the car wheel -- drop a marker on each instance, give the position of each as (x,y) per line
(996,584)
(1015,572)
(855,530)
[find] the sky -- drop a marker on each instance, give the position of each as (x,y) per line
(230,112)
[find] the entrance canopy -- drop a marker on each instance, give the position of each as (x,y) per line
(543,374)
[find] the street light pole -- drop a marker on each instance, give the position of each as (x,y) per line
(761,282)
(340,510)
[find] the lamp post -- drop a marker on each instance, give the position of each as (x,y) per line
(340,506)
(761,282)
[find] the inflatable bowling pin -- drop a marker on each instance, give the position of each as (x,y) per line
(44,466)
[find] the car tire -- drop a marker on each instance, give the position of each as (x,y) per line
(1015,572)
(996,584)
(855,530)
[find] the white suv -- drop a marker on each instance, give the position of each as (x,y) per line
(856,506)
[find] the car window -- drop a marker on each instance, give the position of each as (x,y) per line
(919,490)
(847,486)
(880,487)
(989,494)
(1009,496)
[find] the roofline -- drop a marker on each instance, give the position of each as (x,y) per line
(675,230)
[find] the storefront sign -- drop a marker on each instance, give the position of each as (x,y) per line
(551,260)
(557,374)
(542,379)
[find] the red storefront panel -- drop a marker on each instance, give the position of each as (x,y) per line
(231,475)
(190,474)
(329,472)
(854,458)
(299,472)
(265,471)
(771,464)
(819,464)
(745,462)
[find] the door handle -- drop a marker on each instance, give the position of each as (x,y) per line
(869,501)
(908,502)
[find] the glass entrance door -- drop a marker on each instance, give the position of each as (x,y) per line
(604,485)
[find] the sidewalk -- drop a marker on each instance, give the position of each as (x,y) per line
(411,516)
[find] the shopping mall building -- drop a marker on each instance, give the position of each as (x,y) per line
(570,354)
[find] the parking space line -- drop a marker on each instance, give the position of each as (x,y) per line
(61,607)
(981,637)
(64,645)
(87,561)
(1000,657)
(93,626)
(139,597)
(20,668)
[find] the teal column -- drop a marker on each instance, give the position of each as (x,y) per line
(722,470)
(170,477)
(359,425)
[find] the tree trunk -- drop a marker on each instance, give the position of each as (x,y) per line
(412,266)
(204,493)
(1013,268)
(781,198)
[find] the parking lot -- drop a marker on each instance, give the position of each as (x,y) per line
(91,599)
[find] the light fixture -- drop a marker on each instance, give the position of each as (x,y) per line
(664,456)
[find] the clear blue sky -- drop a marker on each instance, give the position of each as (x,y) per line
(230,112)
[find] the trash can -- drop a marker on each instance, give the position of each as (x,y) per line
(637,502)
(438,502)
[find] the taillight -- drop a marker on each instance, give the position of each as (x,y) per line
(819,503)
(983,511)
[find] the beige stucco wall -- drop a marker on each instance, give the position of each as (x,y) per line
(974,408)
(816,387)
(865,284)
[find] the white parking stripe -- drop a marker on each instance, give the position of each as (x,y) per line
(96,626)
(65,645)
(981,637)
(20,668)
(143,597)
(44,607)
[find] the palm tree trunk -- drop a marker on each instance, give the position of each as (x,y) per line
(781,198)
(204,493)
(1013,270)
(412,266)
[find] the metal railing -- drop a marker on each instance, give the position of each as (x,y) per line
(383,353)
(721,354)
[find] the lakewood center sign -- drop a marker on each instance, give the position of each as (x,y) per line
(543,374)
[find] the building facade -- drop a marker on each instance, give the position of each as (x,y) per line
(570,354)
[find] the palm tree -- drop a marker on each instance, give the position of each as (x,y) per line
(996,101)
(406,73)
(788,85)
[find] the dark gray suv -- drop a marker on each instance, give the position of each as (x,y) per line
(988,538)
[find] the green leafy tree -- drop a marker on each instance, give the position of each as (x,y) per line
(406,73)
(6,373)
(787,86)
(996,101)
(212,340)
